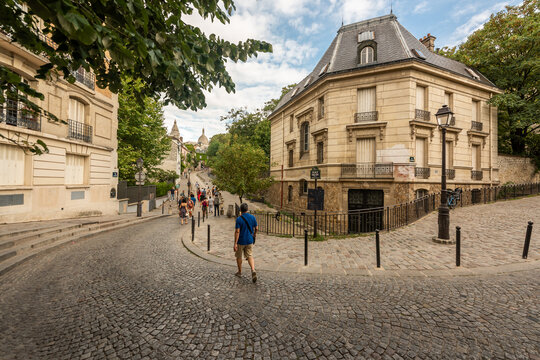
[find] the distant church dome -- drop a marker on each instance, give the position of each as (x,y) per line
(203,140)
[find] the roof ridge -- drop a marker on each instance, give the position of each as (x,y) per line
(402,39)
(367,22)
(334,53)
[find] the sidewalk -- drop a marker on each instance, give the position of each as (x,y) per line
(492,241)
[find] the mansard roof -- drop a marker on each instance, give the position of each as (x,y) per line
(393,44)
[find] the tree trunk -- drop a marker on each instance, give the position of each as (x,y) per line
(517,140)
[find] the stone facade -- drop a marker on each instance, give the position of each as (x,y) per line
(173,160)
(78,177)
(329,108)
(517,170)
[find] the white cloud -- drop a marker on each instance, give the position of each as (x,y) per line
(421,7)
(354,10)
(474,23)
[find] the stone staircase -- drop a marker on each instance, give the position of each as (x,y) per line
(21,242)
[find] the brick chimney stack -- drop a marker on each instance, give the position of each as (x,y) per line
(429,42)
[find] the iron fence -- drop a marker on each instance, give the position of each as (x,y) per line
(80,131)
(476,125)
(367,170)
(423,115)
(476,174)
(451,173)
(286,223)
(148,192)
(87,78)
(366,116)
(15,114)
(421,172)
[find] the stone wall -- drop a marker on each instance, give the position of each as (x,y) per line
(516,169)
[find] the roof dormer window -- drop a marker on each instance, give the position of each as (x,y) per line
(473,74)
(367,52)
(366,35)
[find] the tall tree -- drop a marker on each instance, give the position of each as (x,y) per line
(141,133)
(241,169)
(143,40)
(507,50)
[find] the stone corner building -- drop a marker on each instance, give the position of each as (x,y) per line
(173,160)
(76,178)
(365,117)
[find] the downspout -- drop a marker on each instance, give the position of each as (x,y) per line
(490,143)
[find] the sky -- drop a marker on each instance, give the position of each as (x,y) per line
(300,31)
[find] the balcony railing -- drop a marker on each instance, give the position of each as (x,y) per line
(451,173)
(476,125)
(87,78)
(367,170)
(15,114)
(366,116)
(421,115)
(79,131)
(421,172)
(476,174)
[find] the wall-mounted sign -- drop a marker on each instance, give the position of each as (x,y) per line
(411,159)
(315,173)
(115,174)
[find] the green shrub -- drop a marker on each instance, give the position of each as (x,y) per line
(162,188)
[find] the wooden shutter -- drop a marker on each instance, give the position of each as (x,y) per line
(76,110)
(420,97)
(74,169)
(420,152)
(449,154)
(365,150)
(366,100)
(11,165)
(474,111)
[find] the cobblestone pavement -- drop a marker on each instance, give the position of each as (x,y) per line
(491,235)
(138,294)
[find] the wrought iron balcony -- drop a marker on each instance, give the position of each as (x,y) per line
(476,174)
(15,114)
(421,172)
(367,170)
(366,116)
(79,131)
(87,78)
(451,173)
(476,125)
(422,115)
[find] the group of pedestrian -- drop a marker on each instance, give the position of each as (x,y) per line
(210,200)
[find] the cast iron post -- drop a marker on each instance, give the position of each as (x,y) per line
(444,212)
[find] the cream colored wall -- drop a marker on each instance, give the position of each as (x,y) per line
(45,194)
(396,103)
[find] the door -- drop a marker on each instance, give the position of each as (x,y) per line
(366,210)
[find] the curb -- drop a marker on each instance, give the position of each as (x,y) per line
(76,239)
(381,272)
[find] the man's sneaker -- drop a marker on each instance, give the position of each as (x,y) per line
(254,277)
(239,274)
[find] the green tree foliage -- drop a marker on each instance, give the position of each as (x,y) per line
(507,50)
(140,131)
(148,41)
(161,175)
(241,169)
(217,142)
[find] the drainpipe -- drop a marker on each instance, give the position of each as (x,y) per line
(490,143)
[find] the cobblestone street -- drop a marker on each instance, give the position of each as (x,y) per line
(137,293)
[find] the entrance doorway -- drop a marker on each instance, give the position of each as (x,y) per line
(366,210)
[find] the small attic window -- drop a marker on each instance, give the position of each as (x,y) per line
(473,74)
(418,53)
(307,81)
(294,92)
(324,69)
(366,35)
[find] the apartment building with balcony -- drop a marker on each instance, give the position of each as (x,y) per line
(78,177)
(365,117)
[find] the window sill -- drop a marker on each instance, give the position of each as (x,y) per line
(77,186)
(15,187)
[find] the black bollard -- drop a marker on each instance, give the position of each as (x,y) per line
(527,240)
(458,246)
(162,208)
(378,248)
(208,237)
(192,229)
(199,219)
(305,248)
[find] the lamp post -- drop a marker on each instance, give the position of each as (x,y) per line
(140,163)
(443,116)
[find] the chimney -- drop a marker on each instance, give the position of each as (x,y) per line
(429,42)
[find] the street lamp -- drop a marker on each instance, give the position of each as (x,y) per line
(443,116)
(140,163)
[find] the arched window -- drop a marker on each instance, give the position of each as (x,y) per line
(304,137)
(366,55)
(303,187)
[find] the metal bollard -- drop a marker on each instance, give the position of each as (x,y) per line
(162,208)
(199,219)
(527,240)
(192,229)
(458,246)
(208,237)
(378,248)
(305,248)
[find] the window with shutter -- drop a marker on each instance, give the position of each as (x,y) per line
(74,169)
(12,163)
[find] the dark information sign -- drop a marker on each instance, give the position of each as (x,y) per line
(315,199)
(315,173)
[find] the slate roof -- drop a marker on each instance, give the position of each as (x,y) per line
(394,44)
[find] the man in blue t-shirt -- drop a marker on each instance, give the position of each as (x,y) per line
(244,239)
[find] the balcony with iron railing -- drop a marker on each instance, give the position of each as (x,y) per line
(422,172)
(476,174)
(87,78)
(366,116)
(367,170)
(476,125)
(451,173)
(15,114)
(79,131)
(422,115)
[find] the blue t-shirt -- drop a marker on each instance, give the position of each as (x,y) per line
(194,199)
(245,237)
